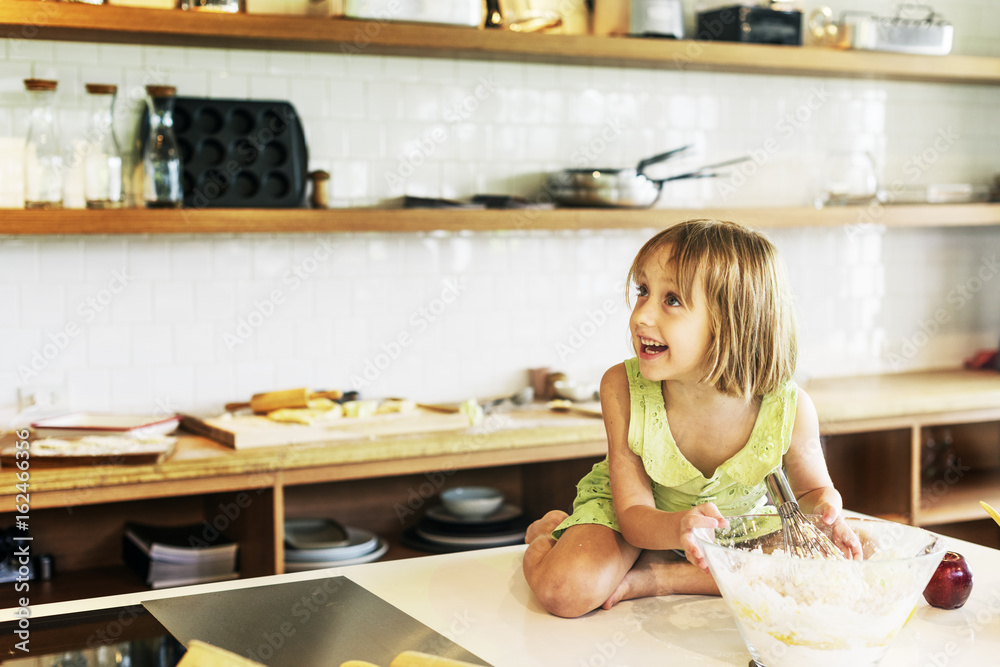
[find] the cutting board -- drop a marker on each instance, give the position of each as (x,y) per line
(244,431)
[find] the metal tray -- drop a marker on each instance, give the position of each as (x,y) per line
(239,153)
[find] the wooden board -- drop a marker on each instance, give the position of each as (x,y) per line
(244,431)
(9,461)
(70,459)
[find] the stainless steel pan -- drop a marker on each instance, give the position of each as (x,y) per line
(621,188)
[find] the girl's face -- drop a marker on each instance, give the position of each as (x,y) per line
(670,337)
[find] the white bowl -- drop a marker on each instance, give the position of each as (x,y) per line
(574,391)
(801,611)
(472,502)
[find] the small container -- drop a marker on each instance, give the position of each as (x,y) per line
(657,18)
(538,379)
(225,6)
(849,178)
(750,25)
(161,160)
(43,163)
(103,162)
(320,188)
(44,567)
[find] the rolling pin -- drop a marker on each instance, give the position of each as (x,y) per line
(288,398)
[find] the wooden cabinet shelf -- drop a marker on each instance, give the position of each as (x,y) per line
(231,221)
(959,501)
(68,21)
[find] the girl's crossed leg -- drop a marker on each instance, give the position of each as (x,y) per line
(593,566)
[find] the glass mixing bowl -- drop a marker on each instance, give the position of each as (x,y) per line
(802,611)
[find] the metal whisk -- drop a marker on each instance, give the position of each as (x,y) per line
(801,537)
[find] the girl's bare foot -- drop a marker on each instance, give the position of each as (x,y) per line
(662,573)
(545,525)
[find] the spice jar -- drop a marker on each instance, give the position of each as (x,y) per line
(103,163)
(43,167)
(161,158)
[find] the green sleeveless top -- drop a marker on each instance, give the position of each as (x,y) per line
(736,486)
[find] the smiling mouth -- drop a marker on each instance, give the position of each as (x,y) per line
(651,346)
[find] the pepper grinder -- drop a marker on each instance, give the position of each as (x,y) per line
(320,188)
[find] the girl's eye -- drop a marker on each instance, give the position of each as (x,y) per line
(641,290)
(672,300)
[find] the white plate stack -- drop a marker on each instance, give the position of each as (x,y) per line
(312,544)
(470,517)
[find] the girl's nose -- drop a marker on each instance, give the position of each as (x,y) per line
(642,313)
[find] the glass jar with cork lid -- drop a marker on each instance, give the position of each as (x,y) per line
(161,158)
(103,161)
(43,162)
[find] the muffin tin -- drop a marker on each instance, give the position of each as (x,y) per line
(239,153)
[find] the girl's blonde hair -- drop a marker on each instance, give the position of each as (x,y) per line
(754,347)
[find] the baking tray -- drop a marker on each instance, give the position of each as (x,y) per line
(239,153)
(320,622)
(76,424)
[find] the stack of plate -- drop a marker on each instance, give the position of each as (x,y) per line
(312,544)
(440,531)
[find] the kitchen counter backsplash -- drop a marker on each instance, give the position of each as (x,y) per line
(171,323)
(145,323)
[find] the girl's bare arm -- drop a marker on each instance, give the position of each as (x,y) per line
(805,464)
(641,523)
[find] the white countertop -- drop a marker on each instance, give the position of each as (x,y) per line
(480,600)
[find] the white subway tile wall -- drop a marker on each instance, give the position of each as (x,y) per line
(143,323)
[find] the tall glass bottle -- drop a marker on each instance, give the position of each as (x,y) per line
(103,163)
(43,166)
(161,160)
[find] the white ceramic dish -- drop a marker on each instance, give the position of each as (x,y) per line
(380,550)
(505,513)
(315,534)
(472,502)
(452,12)
(360,543)
(574,391)
(514,537)
(87,423)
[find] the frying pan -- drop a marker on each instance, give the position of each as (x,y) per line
(622,188)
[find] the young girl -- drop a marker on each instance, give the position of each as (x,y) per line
(695,422)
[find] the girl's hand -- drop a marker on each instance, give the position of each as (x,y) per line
(840,532)
(706,515)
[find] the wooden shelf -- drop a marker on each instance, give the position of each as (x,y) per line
(952,503)
(235,221)
(68,21)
